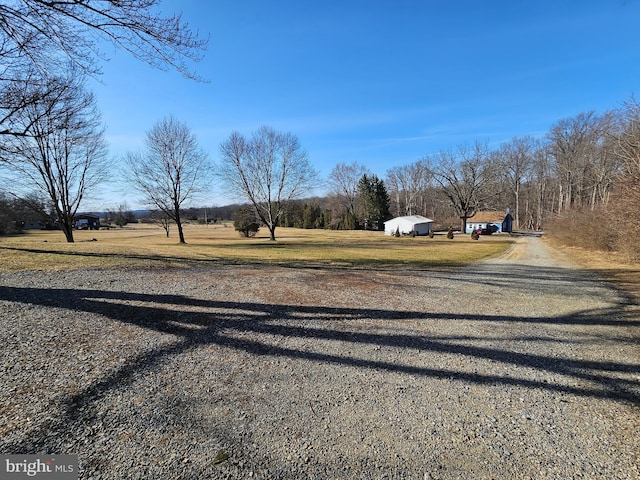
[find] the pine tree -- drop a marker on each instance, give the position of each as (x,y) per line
(375,204)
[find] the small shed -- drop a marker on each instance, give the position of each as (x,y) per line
(408,225)
(483,219)
(86,221)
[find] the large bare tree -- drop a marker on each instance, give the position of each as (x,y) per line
(43,38)
(64,156)
(171,171)
(467,177)
(542,186)
(584,164)
(270,169)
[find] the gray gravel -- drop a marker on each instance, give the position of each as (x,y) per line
(520,367)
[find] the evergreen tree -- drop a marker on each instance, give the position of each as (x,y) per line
(375,204)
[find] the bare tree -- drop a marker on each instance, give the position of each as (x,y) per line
(269,170)
(468,178)
(584,163)
(409,184)
(160,218)
(542,185)
(18,94)
(515,163)
(171,171)
(40,39)
(627,141)
(64,156)
(624,209)
(343,181)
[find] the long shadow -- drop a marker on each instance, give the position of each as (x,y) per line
(220,322)
(129,256)
(334,263)
(541,280)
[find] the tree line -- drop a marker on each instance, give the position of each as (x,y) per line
(586,163)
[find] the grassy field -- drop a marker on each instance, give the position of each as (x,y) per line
(146,245)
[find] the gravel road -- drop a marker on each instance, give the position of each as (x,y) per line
(519,367)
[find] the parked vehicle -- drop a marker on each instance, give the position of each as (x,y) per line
(490,229)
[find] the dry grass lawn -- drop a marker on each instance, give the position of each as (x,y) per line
(146,245)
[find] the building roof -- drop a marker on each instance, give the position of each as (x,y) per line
(487,216)
(415,219)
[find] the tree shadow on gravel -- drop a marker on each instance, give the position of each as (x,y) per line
(257,329)
(540,280)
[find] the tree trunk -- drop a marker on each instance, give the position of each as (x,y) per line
(517,219)
(180,232)
(398,210)
(272,232)
(68,233)
(67,227)
(178,220)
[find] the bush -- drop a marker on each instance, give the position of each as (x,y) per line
(624,211)
(245,222)
(582,228)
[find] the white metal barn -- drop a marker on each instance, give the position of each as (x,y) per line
(409,225)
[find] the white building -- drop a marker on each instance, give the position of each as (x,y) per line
(482,220)
(409,225)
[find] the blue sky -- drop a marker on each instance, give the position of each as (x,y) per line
(382,83)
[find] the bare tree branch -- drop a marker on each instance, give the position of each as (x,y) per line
(52,33)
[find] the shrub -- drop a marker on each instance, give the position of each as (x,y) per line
(582,228)
(624,212)
(245,222)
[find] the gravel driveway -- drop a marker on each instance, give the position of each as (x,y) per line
(519,367)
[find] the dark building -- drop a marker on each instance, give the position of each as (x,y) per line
(87,222)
